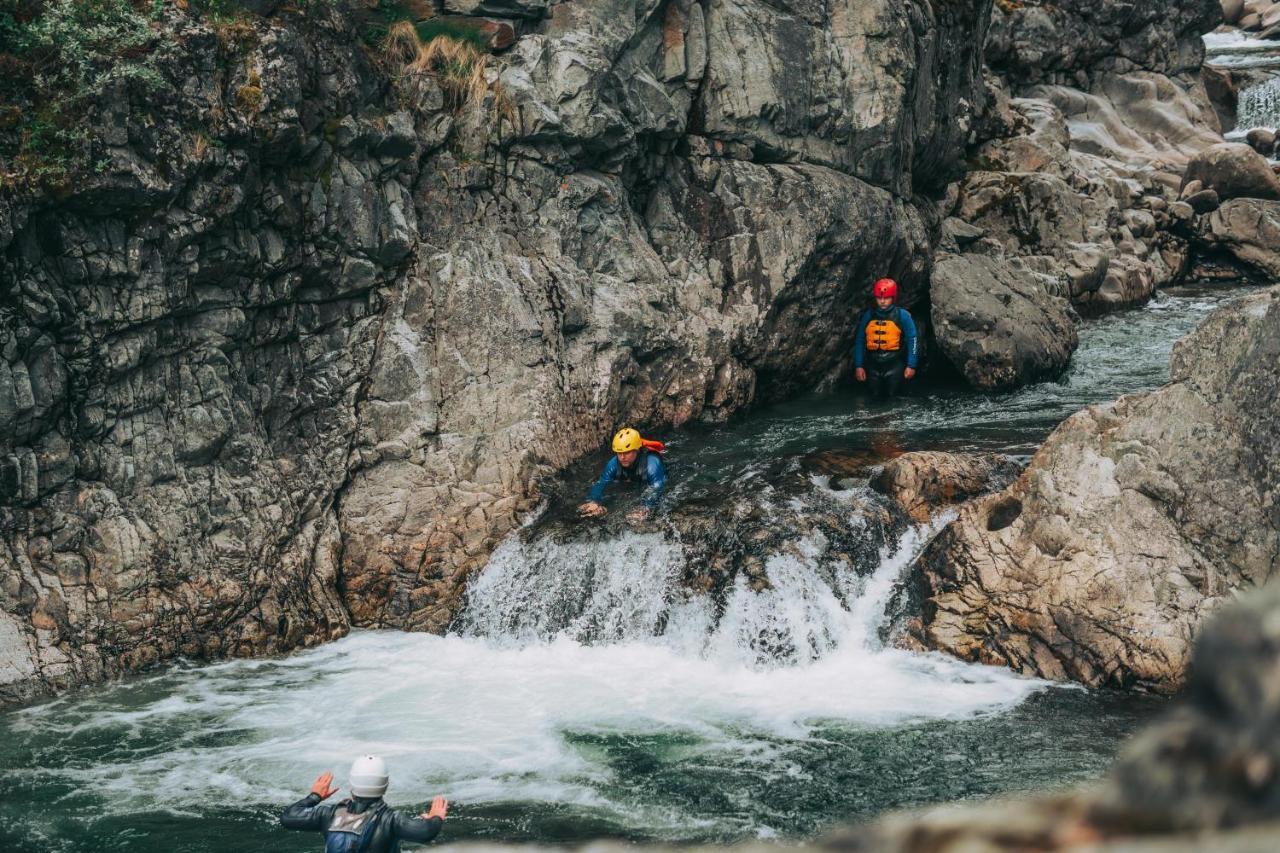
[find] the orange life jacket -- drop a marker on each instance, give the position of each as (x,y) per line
(883,335)
(655,446)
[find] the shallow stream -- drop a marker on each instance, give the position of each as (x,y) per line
(542,728)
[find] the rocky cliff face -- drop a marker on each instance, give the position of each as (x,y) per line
(293,355)
(1092,112)
(1134,521)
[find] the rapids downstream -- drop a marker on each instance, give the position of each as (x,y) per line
(581,697)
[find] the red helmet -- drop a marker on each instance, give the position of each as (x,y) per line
(885,287)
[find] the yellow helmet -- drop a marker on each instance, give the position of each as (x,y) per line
(626,440)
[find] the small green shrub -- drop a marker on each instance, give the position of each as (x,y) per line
(58,56)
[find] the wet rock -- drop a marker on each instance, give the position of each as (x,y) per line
(1262,140)
(1223,94)
(1132,523)
(1234,170)
(1232,11)
(997,325)
(926,482)
(730,533)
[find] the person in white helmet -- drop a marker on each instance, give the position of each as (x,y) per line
(364,823)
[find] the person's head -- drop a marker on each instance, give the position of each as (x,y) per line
(627,444)
(885,292)
(368,777)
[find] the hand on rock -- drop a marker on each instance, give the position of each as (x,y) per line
(591,509)
(860,374)
(439,808)
(323,786)
(908,373)
(637,515)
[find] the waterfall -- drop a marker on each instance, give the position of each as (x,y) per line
(628,590)
(1259,106)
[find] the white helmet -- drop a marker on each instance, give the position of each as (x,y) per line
(368,776)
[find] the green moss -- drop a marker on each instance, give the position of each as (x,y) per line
(433,29)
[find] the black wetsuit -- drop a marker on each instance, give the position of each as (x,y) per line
(884,373)
(392,828)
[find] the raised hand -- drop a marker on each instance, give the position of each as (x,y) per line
(323,786)
(439,808)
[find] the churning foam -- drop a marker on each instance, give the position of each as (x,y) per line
(559,639)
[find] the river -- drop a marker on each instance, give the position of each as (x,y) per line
(547,724)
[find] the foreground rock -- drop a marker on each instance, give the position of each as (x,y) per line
(1202,778)
(997,324)
(1131,524)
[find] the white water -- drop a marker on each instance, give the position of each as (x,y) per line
(1258,105)
(486,718)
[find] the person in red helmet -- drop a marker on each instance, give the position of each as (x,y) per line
(885,347)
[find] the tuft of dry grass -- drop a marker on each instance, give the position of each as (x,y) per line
(458,65)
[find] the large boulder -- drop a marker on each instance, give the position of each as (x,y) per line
(1234,170)
(1249,229)
(1132,522)
(997,324)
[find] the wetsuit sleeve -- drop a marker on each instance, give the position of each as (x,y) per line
(307,813)
(417,828)
(608,476)
(860,340)
(655,475)
(911,338)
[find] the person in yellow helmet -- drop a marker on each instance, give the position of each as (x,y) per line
(635,460)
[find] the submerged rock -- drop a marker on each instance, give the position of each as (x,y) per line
(926,482)
(998,325)
(1132,523)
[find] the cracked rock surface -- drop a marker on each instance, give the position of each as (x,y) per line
(298,354)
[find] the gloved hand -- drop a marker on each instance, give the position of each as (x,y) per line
(323,786)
